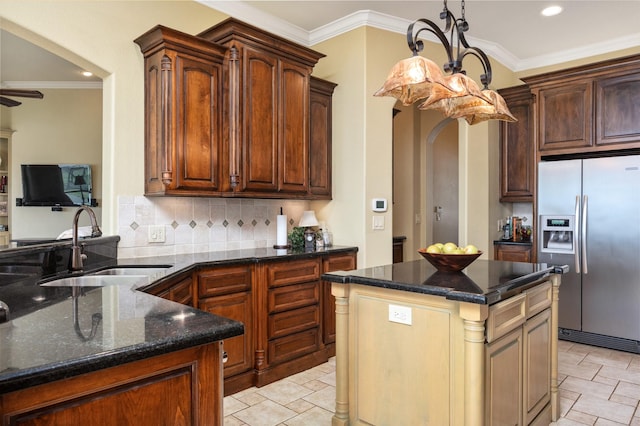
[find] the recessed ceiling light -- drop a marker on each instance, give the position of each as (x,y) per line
(87,73)
(551,10)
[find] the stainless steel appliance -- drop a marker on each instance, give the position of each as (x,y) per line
(589,219)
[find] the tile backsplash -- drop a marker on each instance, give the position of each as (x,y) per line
(195,225)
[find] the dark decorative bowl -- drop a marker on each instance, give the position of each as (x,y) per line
(449,262)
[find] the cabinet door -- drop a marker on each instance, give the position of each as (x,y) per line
(320,138)
(503,373)
(239,348)
(182,292)
(618,110)
(517,148)
(199,124)
(537,364)
(259,127)
(512,252)
(565,116)
(293,155)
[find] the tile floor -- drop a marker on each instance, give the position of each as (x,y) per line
(598,387)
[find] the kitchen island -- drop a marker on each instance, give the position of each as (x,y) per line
(417,346)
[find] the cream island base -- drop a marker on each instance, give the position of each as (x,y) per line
(445,362)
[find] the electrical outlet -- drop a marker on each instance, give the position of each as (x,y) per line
(499,225)
(400,314)
(156,234)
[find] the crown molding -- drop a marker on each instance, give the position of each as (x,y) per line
(266,21)
(51,85)
(581,53)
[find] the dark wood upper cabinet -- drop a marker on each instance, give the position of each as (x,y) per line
(565,116)
(231,112)
(618,109)
(517,147)
(588,109)
(320,138)
(271,97)
(183,114)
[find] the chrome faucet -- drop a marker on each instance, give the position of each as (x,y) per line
(76,251)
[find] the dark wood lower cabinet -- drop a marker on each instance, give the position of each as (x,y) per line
(179,388)
(513,252)
(287,310)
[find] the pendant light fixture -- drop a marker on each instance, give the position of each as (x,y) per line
(454,94)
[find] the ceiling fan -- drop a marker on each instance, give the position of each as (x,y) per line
(17,93)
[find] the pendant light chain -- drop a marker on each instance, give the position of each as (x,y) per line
(462,9)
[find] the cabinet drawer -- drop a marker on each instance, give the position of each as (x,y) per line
(285,273)
(538,299)
(343,262)
(293,296)
(506,316)
(218,281)
(293,346)
(285,323)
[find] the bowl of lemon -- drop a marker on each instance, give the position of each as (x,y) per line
(449,257)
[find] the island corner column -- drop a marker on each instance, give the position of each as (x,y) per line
(555,399)
(341,293)
(474,316)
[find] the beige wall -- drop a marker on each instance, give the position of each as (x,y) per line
(64,127)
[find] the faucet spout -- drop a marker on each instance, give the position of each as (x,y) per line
(76,252)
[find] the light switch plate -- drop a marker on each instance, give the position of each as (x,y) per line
(156,234)
(378,222)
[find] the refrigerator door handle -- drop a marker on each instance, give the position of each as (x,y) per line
(584,234)
(576,257)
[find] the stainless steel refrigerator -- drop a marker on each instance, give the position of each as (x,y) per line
(589,219)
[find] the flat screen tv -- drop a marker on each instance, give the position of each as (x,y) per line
(56,184)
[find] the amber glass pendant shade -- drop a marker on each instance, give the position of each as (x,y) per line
(463,93)
(496,110)
(413,79)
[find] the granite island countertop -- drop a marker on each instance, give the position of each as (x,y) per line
(55,333)
(482,282)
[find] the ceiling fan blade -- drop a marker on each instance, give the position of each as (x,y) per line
(8,102)
(22,93)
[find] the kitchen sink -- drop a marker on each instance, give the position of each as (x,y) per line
(133,270)
(98,281)
(135,275)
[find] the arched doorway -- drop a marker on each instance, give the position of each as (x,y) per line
(425,176)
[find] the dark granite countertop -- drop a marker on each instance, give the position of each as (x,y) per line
(55,333)
(482,282)
(511,242)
